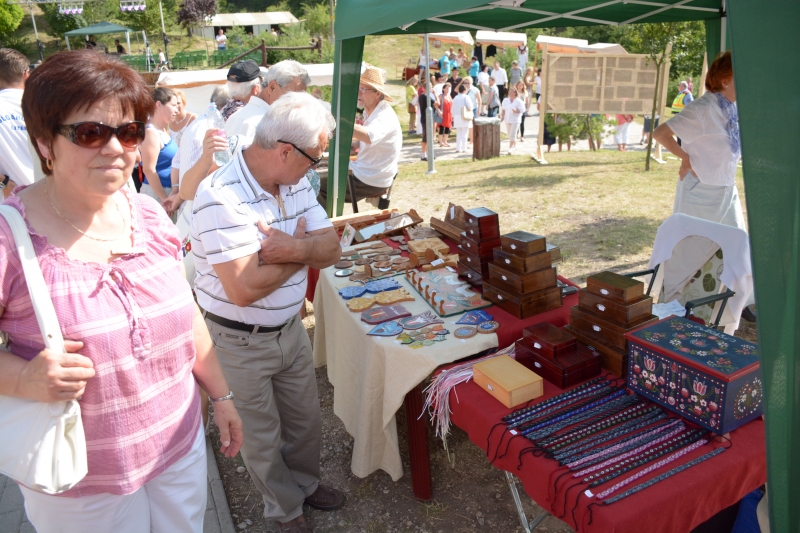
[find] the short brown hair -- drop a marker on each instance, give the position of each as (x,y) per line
(163,95)
(71,81)
(13,65)
(720,70)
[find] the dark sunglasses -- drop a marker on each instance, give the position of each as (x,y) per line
(314,161)
(97,134)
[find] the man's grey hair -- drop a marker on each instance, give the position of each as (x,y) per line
(285,71)
(220,96)
(295,117)
(241,90)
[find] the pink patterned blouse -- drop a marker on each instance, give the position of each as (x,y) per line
(141,410)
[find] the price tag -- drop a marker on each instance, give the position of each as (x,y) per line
(452,211)
(437,262)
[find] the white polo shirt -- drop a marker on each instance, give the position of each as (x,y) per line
(376,163)
(500,76)
(227,207)
(15,159)
(244,121)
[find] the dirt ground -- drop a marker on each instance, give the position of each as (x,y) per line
(469,493)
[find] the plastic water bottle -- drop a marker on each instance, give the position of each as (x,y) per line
(215,121)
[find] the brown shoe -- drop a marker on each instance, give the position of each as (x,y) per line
(298,525)
(326,499)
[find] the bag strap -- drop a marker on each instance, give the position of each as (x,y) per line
(37,288)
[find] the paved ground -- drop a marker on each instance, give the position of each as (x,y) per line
(217,519)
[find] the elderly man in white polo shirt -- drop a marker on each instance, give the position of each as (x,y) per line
(256,228)
(282,77)
(379,139)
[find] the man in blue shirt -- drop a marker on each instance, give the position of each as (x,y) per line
(474,68)
(444,64)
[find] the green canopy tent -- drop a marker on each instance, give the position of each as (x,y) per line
(760,34)
(98,29)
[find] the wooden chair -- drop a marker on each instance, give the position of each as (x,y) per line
(384,199)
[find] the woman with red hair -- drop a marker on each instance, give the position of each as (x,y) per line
(710,150)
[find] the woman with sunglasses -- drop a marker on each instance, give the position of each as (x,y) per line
(135,337)
(159,148)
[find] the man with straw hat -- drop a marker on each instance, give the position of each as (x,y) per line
(379,140)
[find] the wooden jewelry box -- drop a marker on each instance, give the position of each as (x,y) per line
(620,313)
(481,224)
(706,376)
(507,380)
(608,333)
(612,359)
(523,265)
(521,306)
(522,243)
(473,261)
(546,340)
(565,370)
(483,249)
(474,277)
(615,287)
(524,283)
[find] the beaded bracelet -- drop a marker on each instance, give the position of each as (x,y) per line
(584,400)
(572,412)
(609,408)
(667,460)
(665,475)
(579,433)
(624,446)
(628,431)
(593,384)
(677,446)
(620,459)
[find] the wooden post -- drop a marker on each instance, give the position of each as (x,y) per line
(663,99)
(539,156)
(703,74)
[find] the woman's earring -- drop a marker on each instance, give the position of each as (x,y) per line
(49,164)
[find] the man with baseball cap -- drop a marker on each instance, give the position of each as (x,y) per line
(379,141)
(244,82)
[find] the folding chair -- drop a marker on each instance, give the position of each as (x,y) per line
(383,200)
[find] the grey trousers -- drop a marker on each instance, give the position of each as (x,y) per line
(275,392)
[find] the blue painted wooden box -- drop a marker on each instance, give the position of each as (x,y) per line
(708,377)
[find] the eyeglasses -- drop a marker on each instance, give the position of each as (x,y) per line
(97,134)
(314,161)
(365,89)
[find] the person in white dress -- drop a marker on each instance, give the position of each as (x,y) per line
(511,115)
(461,104)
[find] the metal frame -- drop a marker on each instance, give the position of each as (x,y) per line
(528,527)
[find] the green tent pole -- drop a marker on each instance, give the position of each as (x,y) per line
(346,75)
(713,28)
(769,118)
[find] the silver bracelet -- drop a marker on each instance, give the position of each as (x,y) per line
(228,397)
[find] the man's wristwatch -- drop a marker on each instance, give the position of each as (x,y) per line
(228,397)
(5,181)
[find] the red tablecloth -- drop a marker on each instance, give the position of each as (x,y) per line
(677,504)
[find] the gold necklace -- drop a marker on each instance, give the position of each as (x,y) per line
(124,229)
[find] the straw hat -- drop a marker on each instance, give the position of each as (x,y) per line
(375,78)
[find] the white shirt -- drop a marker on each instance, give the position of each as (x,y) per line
(509,117)
(483,78)
(702,127)
(221,39)
(499,75)
(437,89)
(376,163)
(227,207)
(459,102)
(15,159)
(244,121)
(537,80)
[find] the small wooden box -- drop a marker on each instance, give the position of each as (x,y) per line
(706,376)
(548,341)
(474,277)
(606,332)
(555,252)
(522,243)
(507,380)
(614,311)
(523,306)
(612,359)
(523,265)
(483,249)
(481,217)
(570,369)
(524,283)
(473,261)
(615,287)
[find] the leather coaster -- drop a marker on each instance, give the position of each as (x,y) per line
(359,277)
(363,261)
(382,264)
(488,327)
(465,332)
(381,257)
(400,260)
(395,252)
(343,264)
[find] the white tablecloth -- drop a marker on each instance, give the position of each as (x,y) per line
(371,375)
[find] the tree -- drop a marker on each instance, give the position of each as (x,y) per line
(317,19)
(195,12)
(10,17)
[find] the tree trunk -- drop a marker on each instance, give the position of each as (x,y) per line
(655,109)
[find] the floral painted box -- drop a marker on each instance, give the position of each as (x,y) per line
(708,377)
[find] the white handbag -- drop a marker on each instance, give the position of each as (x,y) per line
(45,447)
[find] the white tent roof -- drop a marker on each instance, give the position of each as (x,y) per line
(603,48)
(253,19)
(501,38)
(321,74)
(561,41)
(458,37)
(563,45)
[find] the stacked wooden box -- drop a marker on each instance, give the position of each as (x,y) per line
(610,306)
(522,278)
(556,355)
(481,234)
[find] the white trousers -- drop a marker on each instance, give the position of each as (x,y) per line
(174,502)
(461,139)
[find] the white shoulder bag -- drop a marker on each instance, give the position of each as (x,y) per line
(45,446)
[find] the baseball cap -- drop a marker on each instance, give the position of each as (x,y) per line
(242,71)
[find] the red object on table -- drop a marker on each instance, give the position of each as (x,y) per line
(678,503)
